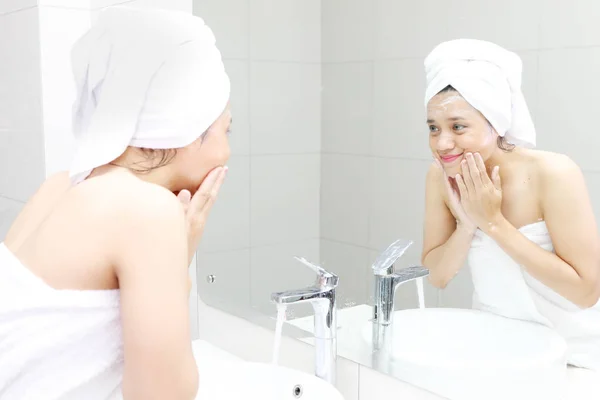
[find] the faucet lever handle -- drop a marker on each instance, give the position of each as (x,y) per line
(390,255)
(324,277)
(410,273)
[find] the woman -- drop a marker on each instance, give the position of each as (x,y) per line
(94,281)
(522,218)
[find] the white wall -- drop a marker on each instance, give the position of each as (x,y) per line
(21,139)
(374,137)
(268,209)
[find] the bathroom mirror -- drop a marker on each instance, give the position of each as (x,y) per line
(330,150)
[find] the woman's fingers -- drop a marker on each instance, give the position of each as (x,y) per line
(207,193)
(474,171)
(184,197)
(449,189)
(496,178)
(485,179)
(467,179)
(462,188)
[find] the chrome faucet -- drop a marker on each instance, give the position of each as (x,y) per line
(322,297)
(387,280)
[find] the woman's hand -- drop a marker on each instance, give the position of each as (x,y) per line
(480,196)
(462,219)
(198,207)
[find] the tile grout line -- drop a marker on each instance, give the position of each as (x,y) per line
(249,99)
(419,58)
(337,241)
(370,166)
(7,13)
(261,246)
(358,369)
(43,91)
(322,138)
(12,199)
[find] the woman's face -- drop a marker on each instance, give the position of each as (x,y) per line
(456,128)
(206,153)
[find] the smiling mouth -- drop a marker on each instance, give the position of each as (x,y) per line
(449,159)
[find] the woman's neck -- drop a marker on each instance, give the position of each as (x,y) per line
(135,164)
(499,158)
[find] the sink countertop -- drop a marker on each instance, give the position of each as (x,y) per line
(582,384)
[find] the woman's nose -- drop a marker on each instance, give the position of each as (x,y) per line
(445,142)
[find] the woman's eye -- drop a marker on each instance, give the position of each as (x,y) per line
(432,128)
(458,127)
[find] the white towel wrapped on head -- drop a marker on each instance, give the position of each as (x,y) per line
(489,78)
(145,78)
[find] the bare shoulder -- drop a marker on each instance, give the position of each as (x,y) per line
(433,179)
(555,168)
(434,183)
(133,217)
(433,173)
(52,188)
(57,182)
(127,207)
(38,207)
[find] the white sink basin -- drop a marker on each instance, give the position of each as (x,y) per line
(224,377)
(469,354)
(248,380)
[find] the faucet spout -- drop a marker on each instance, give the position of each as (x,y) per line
(385,290)
(323,300)
(387,280)
(298,296)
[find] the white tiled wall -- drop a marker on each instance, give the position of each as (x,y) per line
(273,269)
(10,6)
(230,21)
(9,209)
(285,104)
(351,264)
(284,198)
(568,24)
(234,206)
(21,137)
(231,273)
(286,31)
(347,30)
(67,4)
(345,187)
(347,133)
(22,147)
(239,75)
(60,28)
(268,210)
